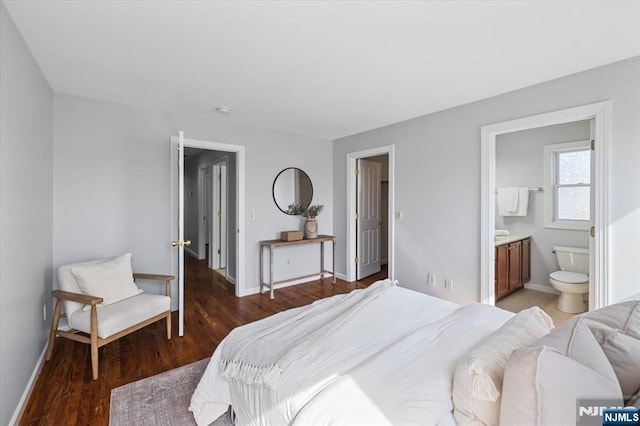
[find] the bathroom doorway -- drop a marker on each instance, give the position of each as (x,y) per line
(525,239)
(598,232)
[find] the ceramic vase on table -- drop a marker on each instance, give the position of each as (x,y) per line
(311,228)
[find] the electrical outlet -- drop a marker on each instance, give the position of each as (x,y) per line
(288,261)
(431,279)
(44,313)
(252,215)
(448,284)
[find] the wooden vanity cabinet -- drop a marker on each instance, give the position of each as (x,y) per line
(512,266)
(502,270)
(526,260)
(515,265)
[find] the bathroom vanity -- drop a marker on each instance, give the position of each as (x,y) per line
(512,263)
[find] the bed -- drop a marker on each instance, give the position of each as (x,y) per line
(390,360)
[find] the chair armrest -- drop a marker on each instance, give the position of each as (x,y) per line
(77,297)
(157,277)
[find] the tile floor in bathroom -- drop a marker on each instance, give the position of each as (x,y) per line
(526,298)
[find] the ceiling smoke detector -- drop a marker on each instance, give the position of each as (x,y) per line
(223,110)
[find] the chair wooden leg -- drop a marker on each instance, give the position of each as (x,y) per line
(54,327)
(94,342)
(169,325)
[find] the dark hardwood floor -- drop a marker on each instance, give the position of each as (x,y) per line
(65,394)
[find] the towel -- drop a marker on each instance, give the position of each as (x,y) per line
(513,201)
(258,353)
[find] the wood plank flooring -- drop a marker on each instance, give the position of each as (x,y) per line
(65,394)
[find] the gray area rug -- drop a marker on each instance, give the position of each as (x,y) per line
(160,400)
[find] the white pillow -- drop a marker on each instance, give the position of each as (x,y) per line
(623,352)
(477,382)
(112,280)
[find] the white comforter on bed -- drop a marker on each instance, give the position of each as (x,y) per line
(392,363)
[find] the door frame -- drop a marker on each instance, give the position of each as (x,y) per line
(599,290)
(239,150)
(351,207)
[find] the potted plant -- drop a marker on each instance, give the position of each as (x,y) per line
(310,213)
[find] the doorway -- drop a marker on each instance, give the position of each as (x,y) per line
(370,206)
(213,220)
(599,290)
(236,209)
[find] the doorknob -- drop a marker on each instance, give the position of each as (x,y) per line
(186,243)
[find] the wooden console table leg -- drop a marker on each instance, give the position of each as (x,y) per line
(271,271)
(333,268)
(322,260)
(261,268)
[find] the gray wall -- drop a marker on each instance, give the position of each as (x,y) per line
(112,184)
(520,162)
(191,202)
(26,197)
(438,179)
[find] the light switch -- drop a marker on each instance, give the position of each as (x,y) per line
(399,215)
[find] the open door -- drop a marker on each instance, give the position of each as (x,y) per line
(180,243)
(368,219)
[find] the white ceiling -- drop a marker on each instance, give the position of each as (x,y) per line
(325,69)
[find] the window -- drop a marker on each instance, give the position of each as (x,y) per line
(568,185)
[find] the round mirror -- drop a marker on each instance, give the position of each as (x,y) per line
(292,186)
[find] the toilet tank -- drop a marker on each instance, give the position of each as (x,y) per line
(573,259)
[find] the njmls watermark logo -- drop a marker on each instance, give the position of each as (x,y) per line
(605,412)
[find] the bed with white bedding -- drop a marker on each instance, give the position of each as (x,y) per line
(387,359)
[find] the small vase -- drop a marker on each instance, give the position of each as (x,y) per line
(311,228)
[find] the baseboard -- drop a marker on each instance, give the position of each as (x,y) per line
(231,279)
(28,389)
(541,287)
(343,277)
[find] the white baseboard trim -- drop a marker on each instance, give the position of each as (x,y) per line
(29,388)
(541,287)
(343,277)
(231,279)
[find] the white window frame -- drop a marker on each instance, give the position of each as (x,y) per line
(550,188)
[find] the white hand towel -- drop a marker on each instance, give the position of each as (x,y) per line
(507,201)
(513,201)
(523,202)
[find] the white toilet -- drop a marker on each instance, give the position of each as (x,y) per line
(572,280)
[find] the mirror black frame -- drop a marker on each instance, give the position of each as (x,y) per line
(273,189)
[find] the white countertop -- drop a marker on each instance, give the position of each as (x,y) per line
(500,240)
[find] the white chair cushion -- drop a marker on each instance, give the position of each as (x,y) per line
(477,383)
(121,315)
(111,279)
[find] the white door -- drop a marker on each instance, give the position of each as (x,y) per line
(368,220)
(180,243)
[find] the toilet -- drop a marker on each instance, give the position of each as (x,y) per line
(572,280)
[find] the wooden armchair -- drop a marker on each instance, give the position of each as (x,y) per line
(100,325)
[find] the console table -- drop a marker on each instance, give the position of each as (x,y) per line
(271,244)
